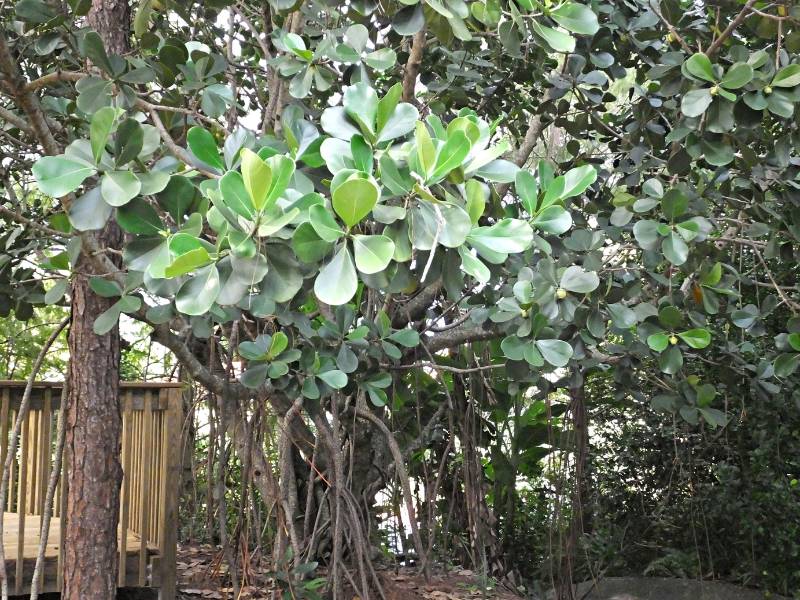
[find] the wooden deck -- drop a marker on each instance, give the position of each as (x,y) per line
(31,537)
(150,460)
(50,583)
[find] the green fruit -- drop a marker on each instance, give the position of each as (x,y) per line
(561,293)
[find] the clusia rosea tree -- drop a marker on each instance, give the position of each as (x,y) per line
(380,218)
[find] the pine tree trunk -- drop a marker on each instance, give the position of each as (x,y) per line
(94,419)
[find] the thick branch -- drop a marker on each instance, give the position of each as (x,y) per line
(413,65)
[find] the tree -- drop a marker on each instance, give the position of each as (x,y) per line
(416,211)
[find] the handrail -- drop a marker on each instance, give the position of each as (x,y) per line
(150,458)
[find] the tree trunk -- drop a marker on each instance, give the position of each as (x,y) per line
(94,420)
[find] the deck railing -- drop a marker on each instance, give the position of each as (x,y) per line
(151,438)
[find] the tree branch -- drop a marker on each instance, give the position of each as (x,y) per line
(743,14)
(413,65)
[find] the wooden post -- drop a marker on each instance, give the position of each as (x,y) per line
(21,505)
(173,425)
(124,512)
(147,472)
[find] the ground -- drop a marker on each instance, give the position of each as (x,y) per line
(201,576)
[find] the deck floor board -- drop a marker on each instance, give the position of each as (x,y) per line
(31,537)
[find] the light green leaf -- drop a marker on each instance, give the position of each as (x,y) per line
(788,76)
(361,104)
(204,146)
(699,65)
(353,200)
(324,224)
(675,249)
(119,187)
(337,281)
(373,253)
(451,155)
(576,18)
(198,294)
(658,341)
(695,102)
(235,195)
(100,129)
(696,338)
(426,151)
(335,378)
(556,352)
(553,219)
(557,40)
(89,211)
(57,176)
(575,279)
(739,75)
(257,177)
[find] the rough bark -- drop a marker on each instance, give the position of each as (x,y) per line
(94,418)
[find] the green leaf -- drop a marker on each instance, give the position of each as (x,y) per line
(197,295)
(575,279)
(794,341)
(699,65)
(527,187)
(788,76)
(373,253)
(739,75)
(334,378)
(56,293)
(89,211)
(556,352)
(674,203)
(187,263)
(426,151)
(576,18)
(646,233)
(361,104)
(138,217)
(387,105)
(675,249)
(282,168)
(451,155)
(255,376)
(476,200)
(671,360)
(204,146)
(401,121)
(257,178)
(696,102)
(94,49)
(670,317)
(353,200)
(104,287)
(553,219)
(235,195)
(57,176)
(622,316)
(324,224)
(100,129)
(119,187)
(107,320)
(658,341)
(381,59)
(128,141)
(337,282)
(696,338)
(409,338)
(308,245)
(557,40)
(509,236)
(786,364)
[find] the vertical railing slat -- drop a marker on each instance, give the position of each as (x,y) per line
(146,476)
(124,513)
(21,504)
